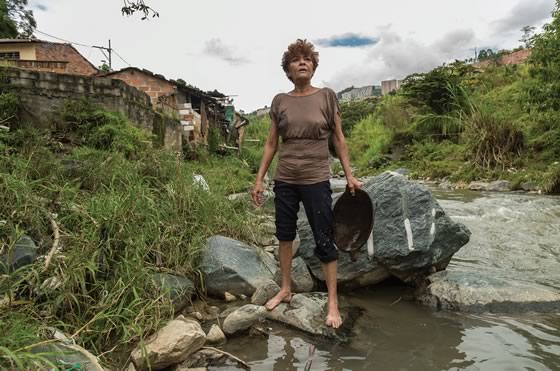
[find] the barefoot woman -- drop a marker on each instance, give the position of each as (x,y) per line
(304,118)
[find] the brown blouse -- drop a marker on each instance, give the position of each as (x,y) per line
(304,124)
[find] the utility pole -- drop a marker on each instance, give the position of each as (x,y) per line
(109,50)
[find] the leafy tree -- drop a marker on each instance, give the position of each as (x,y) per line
(181,81)
(485,54)
(545,92)
(526,38)
(132,6)
(104,68)
(15,19)
(433,91)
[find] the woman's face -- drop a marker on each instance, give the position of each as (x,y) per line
(301,68)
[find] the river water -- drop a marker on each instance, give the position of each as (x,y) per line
(514,236)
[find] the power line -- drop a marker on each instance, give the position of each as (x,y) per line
(109,49)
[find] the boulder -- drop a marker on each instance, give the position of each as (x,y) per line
(412,236)
(265,292)
(307,313)
(480,291)
(529,186)
(301,279)
(170,345)
(499,186)
(215,336)
(232,266)
(23,253)
(181,289)
(478,186)
(243,318)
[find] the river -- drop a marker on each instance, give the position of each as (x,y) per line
(514,236)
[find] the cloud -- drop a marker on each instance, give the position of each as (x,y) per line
(524,13)
(395,57)
(38,5)
(348,40)
(216,48)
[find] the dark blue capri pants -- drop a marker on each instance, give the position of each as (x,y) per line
(317,201)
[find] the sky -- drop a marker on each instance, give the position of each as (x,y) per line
(236,46)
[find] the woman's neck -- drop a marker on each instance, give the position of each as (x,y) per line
(303,88)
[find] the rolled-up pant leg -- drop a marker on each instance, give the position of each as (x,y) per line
(317,201)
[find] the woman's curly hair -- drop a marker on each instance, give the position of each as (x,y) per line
(300,46)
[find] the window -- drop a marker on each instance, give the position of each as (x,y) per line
(9,55)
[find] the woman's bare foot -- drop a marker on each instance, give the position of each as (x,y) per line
(284,296)
(333,316)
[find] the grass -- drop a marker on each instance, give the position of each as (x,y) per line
(124,211)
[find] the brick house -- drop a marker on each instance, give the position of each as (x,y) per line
(39,55)
(196,109)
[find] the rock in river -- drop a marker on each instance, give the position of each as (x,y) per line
(479,291)
(411,236)
(232,266)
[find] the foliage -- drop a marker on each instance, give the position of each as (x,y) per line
(104,68)
(369,142)
(121,217)
(544,92)
(10,108)
(433,91)
(16,21)
(133,6)
(352,112)
(526,38)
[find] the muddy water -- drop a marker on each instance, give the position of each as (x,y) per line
(515,236)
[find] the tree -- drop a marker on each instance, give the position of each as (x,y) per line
(545,59)
(16,21)
(485,54)
(104,68)
(132,6)
(527,36)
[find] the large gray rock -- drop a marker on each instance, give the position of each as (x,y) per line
(411,236)
(23,253)
(307,313)
(265,292)
(243,318)
(499,186)
(301,279)
(232,266)
(479,291)
(180,289)
(171,345)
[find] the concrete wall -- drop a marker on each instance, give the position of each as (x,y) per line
(388,86)
(43,92)
(26,50)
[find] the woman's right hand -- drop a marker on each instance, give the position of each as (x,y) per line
(257,193)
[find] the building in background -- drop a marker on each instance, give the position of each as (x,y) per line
(353,93)
(39,55)
(388,86)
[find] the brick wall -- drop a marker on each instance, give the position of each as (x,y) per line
(77,64)
(151,85)
(43,92)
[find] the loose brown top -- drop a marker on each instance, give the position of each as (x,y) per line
(304,124)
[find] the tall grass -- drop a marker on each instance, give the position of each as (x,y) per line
(370,139)
(124,211)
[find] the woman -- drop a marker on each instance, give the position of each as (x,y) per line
(304,118)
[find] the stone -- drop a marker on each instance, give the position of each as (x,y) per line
(499,186)
(529,186)
(215,336)
(485,292)
(446,184)
(180,289)
(229,297)
(243,318)
(307,313)
(402,171)
(265,292)
(23,253)
(232,266)
(170,345)
(411,235)
(226,312)
(301,279)
(478,186)
(269,227)
(205,358)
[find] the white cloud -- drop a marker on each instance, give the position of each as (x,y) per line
(524,13)
(216,48)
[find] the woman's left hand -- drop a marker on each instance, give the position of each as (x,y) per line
(353,184)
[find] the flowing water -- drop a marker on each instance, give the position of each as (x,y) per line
(514,236)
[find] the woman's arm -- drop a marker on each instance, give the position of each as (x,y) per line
(342,153)
(270,148)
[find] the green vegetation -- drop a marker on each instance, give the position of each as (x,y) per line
(457,121)
(124,211)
